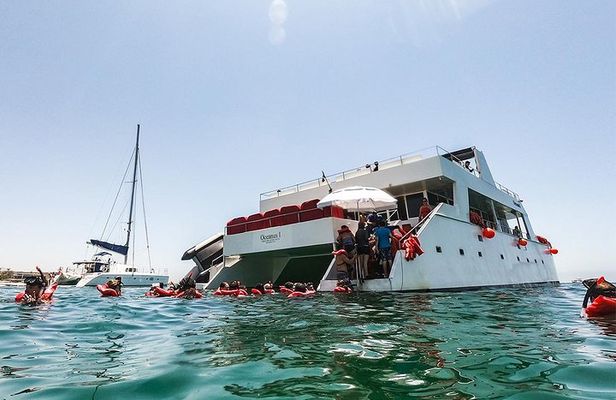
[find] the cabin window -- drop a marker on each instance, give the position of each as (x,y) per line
(518,258)
(502,257)
(413,202)
(527,260)
(480,238)
(479,253)
(461,252)
(438,249)
(402,214)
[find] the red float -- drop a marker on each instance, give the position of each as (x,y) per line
(553,251)
(522,242)
(107,291)
(488,233)
(601,306)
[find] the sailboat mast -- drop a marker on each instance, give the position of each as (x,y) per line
(132,195)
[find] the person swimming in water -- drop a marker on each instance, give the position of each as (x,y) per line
(35,286)
(115,284)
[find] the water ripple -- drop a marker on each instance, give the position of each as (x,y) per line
(503,343)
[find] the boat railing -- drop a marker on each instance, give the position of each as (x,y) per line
(415,230)
(366,169)
(508,191)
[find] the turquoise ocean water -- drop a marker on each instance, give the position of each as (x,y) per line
(522,343)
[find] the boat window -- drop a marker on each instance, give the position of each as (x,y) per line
(402,208)
(413,202)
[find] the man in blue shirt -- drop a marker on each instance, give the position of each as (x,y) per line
(383,245)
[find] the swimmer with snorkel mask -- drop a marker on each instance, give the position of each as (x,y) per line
(35,286)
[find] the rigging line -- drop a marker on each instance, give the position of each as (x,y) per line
(117,221)
(116,197)
(145,222)
(134,236)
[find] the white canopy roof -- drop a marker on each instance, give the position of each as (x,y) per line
(359,198)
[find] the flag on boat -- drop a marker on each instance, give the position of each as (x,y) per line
(116,248)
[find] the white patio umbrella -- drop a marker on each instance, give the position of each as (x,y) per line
(359,198)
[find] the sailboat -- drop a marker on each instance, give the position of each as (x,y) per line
(103,267)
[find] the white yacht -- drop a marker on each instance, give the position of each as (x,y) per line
(291,239)
(102,267)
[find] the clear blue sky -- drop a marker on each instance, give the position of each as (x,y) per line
(239,97)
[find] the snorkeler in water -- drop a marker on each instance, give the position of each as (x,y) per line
(35,287)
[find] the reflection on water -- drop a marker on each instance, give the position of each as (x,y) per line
(502,343)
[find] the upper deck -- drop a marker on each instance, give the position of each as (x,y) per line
(404,169)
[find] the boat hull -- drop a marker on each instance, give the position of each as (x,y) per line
(94,279)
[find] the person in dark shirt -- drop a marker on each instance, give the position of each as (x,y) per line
(362,240)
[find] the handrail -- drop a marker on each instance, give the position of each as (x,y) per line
(350,173)
(215,261)
(420,223)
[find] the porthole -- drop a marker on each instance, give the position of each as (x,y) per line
(518,258)
(438,249)
(502,257)
(461,252)
(479,253)
(527,260)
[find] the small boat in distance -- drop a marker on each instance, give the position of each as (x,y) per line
(70,275)
(102,267)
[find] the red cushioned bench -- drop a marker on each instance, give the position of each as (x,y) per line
(309,211)
(236,225)
(256,221)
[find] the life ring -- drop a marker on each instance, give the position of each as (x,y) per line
(340,289)
(107,291)
(256,292)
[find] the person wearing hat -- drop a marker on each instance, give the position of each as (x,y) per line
(35,286)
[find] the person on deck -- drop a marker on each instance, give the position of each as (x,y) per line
(424,209)
(346,240)
(468,167)
(517,232)
(362,239)
(383,245)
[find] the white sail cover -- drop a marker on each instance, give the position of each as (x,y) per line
(359,198)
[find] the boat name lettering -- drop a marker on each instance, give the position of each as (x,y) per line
(271,238)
